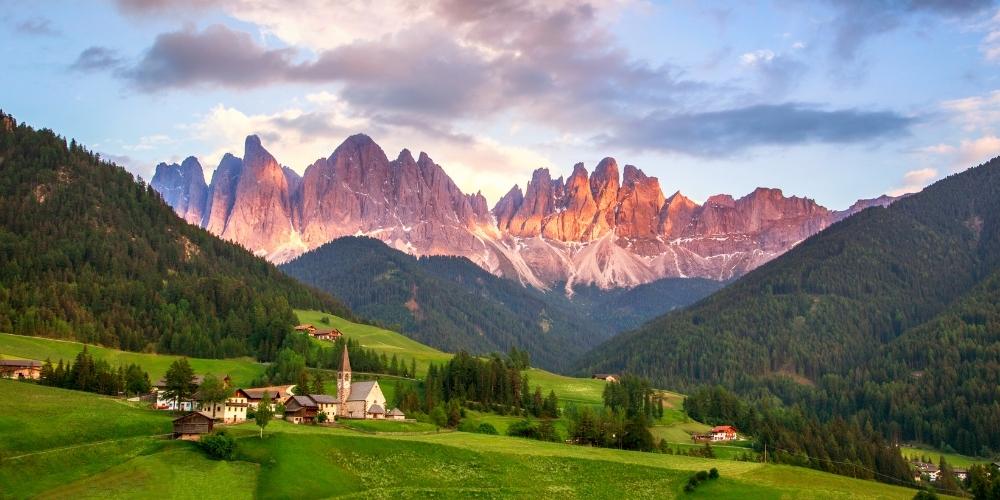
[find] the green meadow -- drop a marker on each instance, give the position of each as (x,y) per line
(242,370)
(102,448)
(956,460)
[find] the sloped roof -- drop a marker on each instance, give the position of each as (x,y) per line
(723,428)
(396,412)
(345,362)
(304,401)
(202,413)
(360,390)
(323,398)
(376,409)
(20,362)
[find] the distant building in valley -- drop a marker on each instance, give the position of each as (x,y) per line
(20,369)
(723,433)
(607,377)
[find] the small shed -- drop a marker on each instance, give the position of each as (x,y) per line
(376,411)
(192,426)
(397,414)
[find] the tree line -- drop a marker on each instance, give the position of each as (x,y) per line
(85,373)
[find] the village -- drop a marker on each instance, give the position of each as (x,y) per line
(353,400)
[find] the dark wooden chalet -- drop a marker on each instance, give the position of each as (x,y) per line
(193,425)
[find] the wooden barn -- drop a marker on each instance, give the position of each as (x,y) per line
(192,426)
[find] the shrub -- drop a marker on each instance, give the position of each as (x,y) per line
(487,428)
(713,474)
(523,428)
(321,417)
(218,445)
(925,495)
(701,475)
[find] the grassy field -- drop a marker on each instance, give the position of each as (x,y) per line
(301,461)
(956,460)
(242,370)
(378,339)
(388,426)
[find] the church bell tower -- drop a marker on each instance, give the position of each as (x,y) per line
(344,382)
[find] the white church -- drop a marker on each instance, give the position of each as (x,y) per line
(361,399)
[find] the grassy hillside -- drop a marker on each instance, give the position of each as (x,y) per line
(242,370)
(312,462)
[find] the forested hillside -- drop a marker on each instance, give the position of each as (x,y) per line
(446,302)
(89,253)
(453,304)
(890,316)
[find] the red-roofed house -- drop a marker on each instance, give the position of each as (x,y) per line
(723,433)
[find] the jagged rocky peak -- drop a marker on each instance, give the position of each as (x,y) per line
(608,228)
(183,188)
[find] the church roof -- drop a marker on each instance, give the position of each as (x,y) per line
(361,390)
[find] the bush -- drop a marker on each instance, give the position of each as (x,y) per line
(487,428)
(925,495)
(218,445)
(523,428)
(713,474)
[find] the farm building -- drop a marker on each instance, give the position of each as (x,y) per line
(396,414)
(20,368)
(278,394)
(232,411)
(607,377)
(305,408)
(193,425)
(330,335)
(723,433)
(306,328)
(165,402)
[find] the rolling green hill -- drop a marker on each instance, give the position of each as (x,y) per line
(89,253)
(343,462)
(890,316)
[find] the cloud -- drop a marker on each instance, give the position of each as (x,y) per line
(976,112)
(914,181)
(856,21)
(36,26)
(97,59)
(776,72)
(158,7)
(732,131)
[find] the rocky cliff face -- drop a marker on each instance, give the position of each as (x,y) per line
(607,228)
(183,187)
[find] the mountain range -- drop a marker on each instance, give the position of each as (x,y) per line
(606,229)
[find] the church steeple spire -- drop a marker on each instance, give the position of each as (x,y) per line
(344,382)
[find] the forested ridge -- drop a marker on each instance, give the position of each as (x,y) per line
(88,252)
(446,302)
(890,317)
(454,305)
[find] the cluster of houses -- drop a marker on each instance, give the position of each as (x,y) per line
(357,400)
(718,433)
(20,369)
(329,334)
(930,472)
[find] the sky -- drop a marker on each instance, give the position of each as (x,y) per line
(834,100)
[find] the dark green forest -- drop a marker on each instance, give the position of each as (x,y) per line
(890,318)
(454,305)
(88,252)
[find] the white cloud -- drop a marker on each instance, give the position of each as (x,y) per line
(914,181)
(976,112)
(756,57)
(990,45)
(798,45)
(149,142)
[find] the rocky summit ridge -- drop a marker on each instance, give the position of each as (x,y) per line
(610,228)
